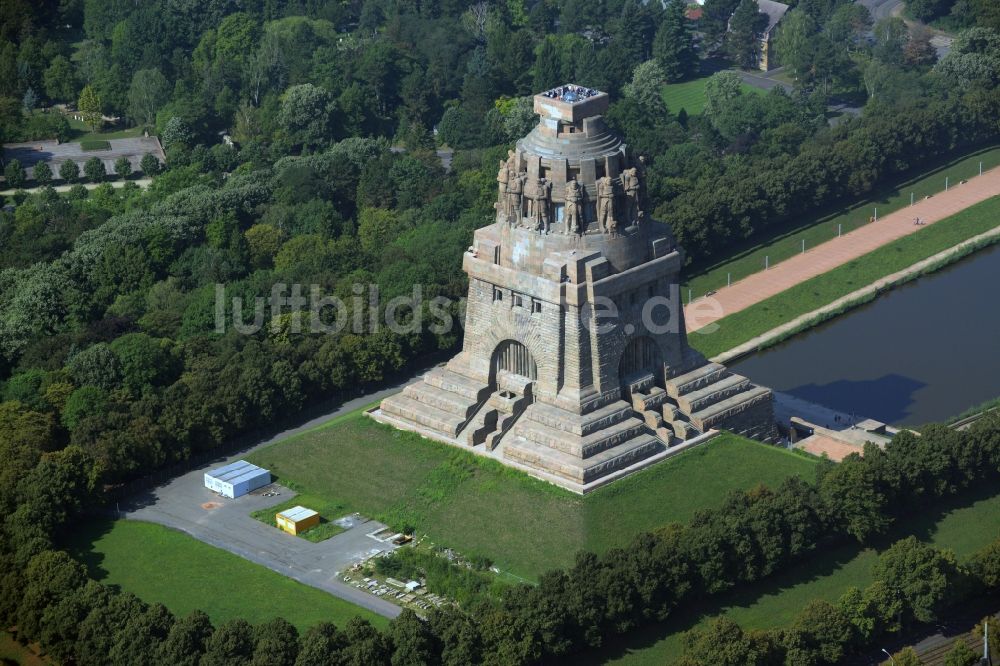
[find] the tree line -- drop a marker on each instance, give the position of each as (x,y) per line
(753,535)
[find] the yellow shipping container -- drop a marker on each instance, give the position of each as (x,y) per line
(297,519)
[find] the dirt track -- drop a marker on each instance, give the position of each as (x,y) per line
(831,254)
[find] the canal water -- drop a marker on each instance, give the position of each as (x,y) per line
(923,352)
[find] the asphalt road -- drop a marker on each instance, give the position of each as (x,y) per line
(183,503)
(186,505)
(881,9)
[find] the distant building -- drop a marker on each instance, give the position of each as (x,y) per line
(775,11)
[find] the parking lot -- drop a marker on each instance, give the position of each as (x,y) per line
(185,504)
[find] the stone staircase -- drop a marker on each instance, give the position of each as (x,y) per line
(555,441)
(502,410)
(710,396)
(443,402)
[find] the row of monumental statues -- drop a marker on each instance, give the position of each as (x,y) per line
(617,199)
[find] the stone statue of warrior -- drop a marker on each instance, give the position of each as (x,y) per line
(539,197)
(503,176)
(630,183)
(606,204)
(515,188)
(574,206)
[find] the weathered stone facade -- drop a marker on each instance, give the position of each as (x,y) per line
(575,364)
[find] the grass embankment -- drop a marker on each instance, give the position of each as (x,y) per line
(328,512)
(781,244)
(963,525)
(822,290)
(158,564)
(482,508)
(690,95)
(13,652)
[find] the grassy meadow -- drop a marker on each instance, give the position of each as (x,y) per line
(480,507)
(963,524)
(690,95)
(159,564)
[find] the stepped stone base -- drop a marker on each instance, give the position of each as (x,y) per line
(608,475)
(580,451)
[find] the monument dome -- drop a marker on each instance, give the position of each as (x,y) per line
(575,365)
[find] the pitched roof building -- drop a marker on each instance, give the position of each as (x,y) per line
(775,11)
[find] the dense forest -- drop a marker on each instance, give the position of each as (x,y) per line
(110,358)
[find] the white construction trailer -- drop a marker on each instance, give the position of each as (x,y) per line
(236,479)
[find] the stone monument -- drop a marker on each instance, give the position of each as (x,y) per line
(575,365)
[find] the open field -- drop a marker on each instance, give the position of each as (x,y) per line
(963,524)
(690,95)
(328,512)
(823,289)
(162,565)
(780,244)
(480,507)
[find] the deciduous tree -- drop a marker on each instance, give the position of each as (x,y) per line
(921,575)
(148,92)
(14,174)
(150,165)
(42,173)
(69,171)
(60,80)
(94,170)
(91,108)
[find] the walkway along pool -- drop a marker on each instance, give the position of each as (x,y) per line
(924,352)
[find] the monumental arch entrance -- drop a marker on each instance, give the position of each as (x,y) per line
(515,358)
(641,356)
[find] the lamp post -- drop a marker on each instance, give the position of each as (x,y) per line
(890,657)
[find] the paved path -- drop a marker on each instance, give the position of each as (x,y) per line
(882,9)
(827,256)
(142,182)
(763,80)
(858,296)
(181,504)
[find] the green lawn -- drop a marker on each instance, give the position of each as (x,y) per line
(823,289)
(159,564)
(483,508)
(328,512)
(963,525)
(94,144)
(690,95)
(82,132)
(780,244)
